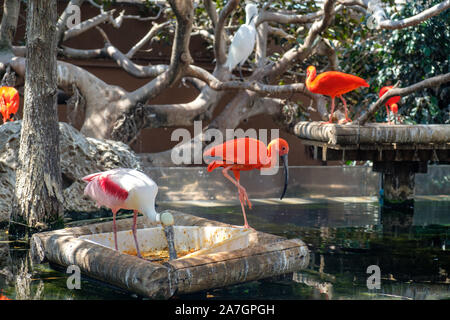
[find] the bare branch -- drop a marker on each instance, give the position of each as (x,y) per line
(427,83)
(11,10)
(210,8)
(414,20)
(136,70)
(139,18)
(384,23)
(219,34)
(260,88)
(61,25)
(89,24)
(204,34)
(73,53)
(280,33)
(286,18)
(302,52)
(149,36)
(261,44)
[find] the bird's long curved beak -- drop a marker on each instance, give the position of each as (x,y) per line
(286,174)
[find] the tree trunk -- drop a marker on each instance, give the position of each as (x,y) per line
(38,197)
(8,28)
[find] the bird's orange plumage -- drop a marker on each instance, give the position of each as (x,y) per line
(245,154)
(391,101)
(334,83)
(9,102)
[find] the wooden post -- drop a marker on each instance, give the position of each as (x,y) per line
(399,180)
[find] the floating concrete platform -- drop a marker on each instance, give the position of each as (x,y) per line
(213,255)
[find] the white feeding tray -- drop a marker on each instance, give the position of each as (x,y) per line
(189,241)
(211,254)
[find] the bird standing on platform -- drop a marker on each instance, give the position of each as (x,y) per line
(243,41)
(333,84)
(131,190)
(9,102)
(245,154)
(391,103)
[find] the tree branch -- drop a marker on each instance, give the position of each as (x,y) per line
(11,10)
(277,68)
(61,25)
(219,34)
(89,24)
(149,36)
(210,8)
(414,20)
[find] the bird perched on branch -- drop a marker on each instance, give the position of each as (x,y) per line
(132,190)
(243,41)
(391,103)
(333,84)
(9,102)
(245,154)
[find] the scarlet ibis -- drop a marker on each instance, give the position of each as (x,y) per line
(9,102)
(243,41)
(391,103)
(245,154)
(132,190)
(333,84)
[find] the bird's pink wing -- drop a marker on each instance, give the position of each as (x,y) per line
(105,191)
(92,176)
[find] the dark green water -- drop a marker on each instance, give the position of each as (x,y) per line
(411,250)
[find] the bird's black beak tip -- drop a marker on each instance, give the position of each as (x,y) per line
(286,174)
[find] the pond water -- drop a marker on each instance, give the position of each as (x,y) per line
(410,248)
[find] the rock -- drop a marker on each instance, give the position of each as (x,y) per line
(80,156)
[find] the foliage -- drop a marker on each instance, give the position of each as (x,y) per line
(407,55)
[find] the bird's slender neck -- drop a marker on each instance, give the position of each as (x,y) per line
(310,78)
(151,213)
(250,19)
(272,153)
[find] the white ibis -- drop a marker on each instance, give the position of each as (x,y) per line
(132,190)
(243,41)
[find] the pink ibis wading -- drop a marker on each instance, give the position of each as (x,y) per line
(131,190)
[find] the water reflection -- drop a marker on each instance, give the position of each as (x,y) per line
(16,271)
(344,238)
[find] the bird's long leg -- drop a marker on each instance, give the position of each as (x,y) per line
(240,72)
(135,213)
(115,229)
(243,197)
(331,114)
(346,110)
(241,188)
(388,117)
(3,107)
